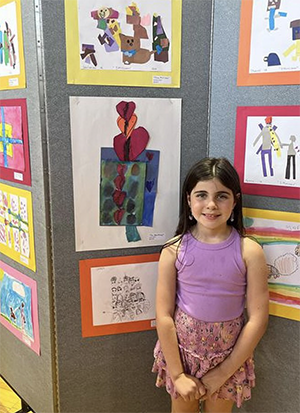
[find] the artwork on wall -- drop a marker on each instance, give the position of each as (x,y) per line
(279,234)
(267,150)
(16,225)
(12,67)
(14,147)
(126,165)
(118,294)
(124,43)
(269,43)
(19,306)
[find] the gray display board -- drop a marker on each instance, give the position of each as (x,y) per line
(32,376)
(110,373)
(279,349)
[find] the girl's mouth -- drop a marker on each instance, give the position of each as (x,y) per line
(211,216)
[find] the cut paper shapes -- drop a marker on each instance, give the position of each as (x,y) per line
(12,67)
(269,43)
(119,43)
(126,181)
(88,54)
(267,150)
(279,235)
(295,46)
(121,172)
(272,59)
(273,12)
(16,225)
(19,307)
(14,148)
(118,294)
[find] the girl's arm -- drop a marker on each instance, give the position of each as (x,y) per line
(188,387)
(257,299)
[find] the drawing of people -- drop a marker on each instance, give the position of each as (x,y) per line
(12,314)
(269,139)
(23,318)
(291,158)
(106,17)
(274,5)
(295,26)
(11,46)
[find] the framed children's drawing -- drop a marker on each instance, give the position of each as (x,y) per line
(14,146)
(16,225)
(121,170)
(19,306)
(124,43)
(267,149)
(118,294)
(279,234)
(12,65)
(269,43)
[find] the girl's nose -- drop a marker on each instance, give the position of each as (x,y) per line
(211,204)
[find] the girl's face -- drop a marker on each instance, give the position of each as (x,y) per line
(211,203)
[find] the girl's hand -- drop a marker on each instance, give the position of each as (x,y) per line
(190,388)
(212,381)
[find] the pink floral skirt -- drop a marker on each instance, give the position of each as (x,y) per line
(202,347)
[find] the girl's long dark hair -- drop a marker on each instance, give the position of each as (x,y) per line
(204,170)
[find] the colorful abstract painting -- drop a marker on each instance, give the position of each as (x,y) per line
(16,225)
(269,43)
(121,171)
(12,67)
(124,43)
(118,294)
(129,174)
(14,147)
(18,306)
(267,150)
(279,234)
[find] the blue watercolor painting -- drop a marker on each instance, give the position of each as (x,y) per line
(15,304)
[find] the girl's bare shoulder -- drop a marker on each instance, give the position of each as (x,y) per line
(251,249)
(172,246)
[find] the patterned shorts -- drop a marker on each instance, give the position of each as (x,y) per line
(202,347)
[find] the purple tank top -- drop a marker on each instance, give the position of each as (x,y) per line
(211,278)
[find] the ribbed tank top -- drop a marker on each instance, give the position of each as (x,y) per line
(211,278)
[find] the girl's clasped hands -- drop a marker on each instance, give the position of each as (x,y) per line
(190,388)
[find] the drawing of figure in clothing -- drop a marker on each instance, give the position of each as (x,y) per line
(273,6)
(109,25)
(23,318)
(270,140)
(291,158)
(295,47)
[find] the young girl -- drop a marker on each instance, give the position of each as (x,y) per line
(206,275)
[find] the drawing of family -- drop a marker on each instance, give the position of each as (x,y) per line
(270,141)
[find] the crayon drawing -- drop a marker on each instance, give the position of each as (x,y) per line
(122,170)
(18,306)
(14,150)
(12,67)
(269,51)
(279,235)
(267,150)
(118,294)
(16,225)
(124,42)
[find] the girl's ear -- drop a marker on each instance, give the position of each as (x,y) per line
(188,198)
(237,197)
